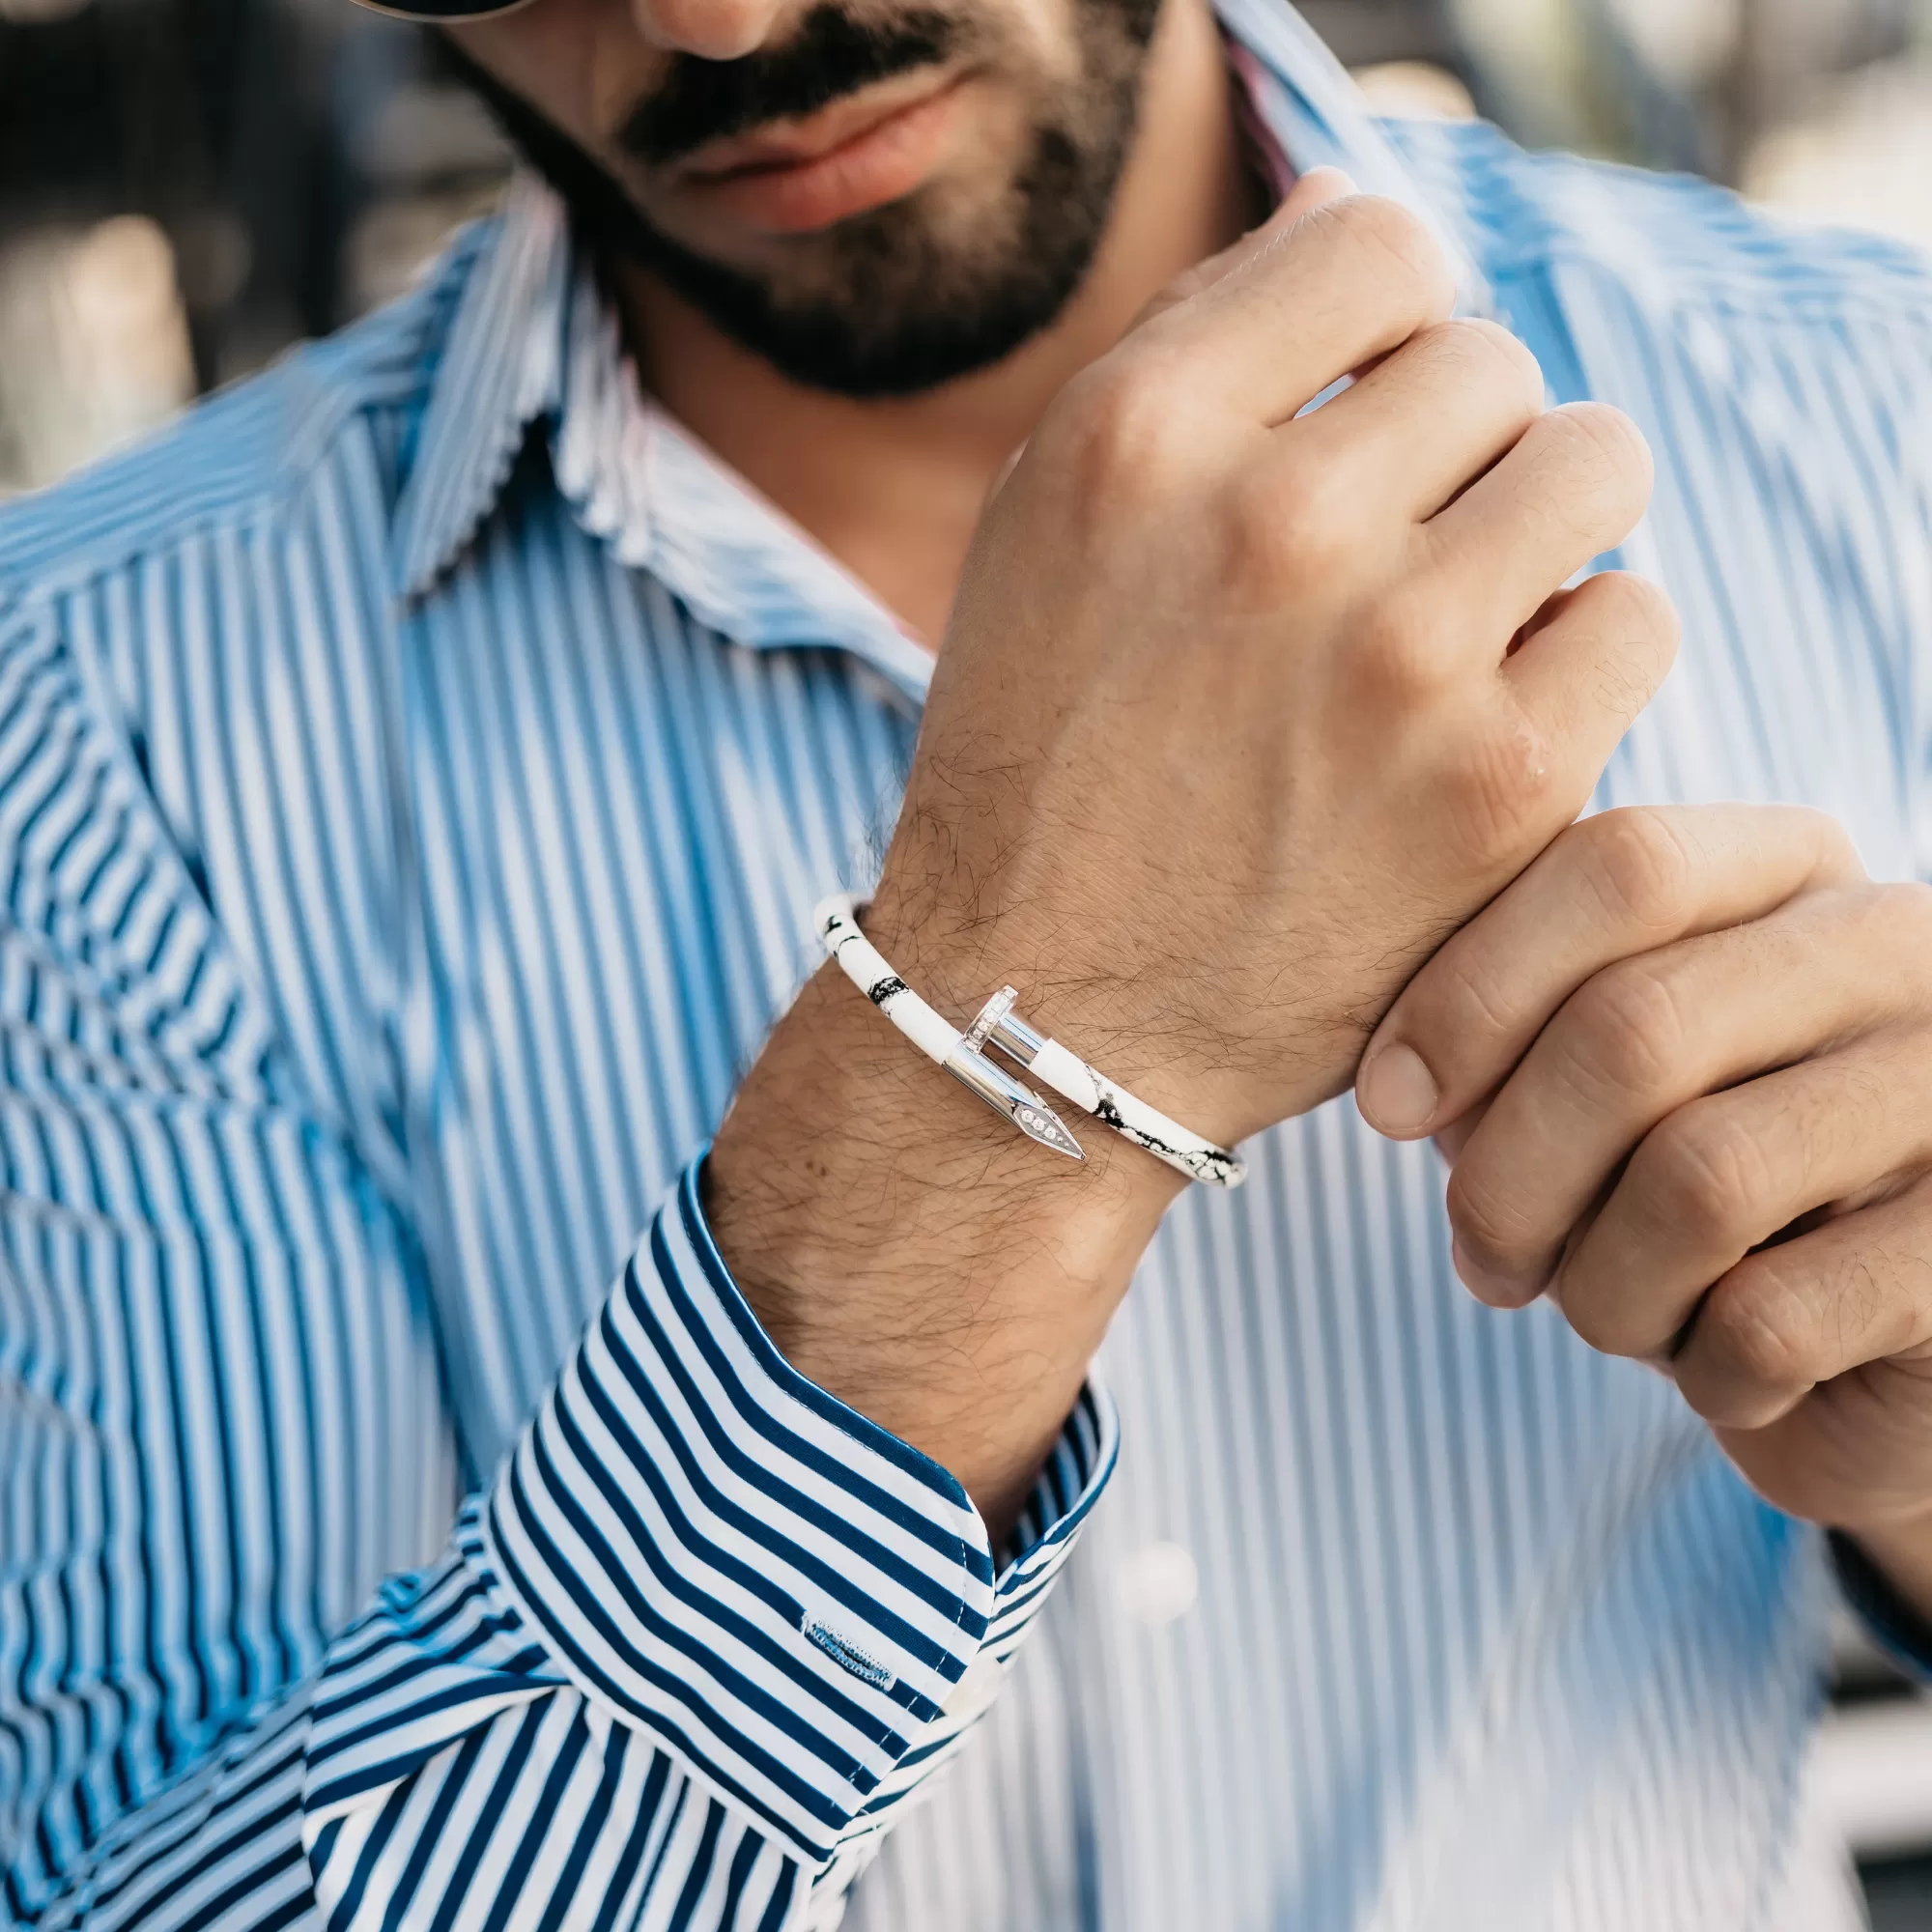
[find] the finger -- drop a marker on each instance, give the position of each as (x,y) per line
(1412,432)
(1727,1172)
(1791,1317)
(1587,665)
(1311,190)
(1574,485)
(1621,883)
(1641,1040)
(1856,1452)
(1343,283)
(1457,1134)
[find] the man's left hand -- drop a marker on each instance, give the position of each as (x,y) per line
(1683,1071)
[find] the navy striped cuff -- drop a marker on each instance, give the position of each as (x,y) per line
(730,1559)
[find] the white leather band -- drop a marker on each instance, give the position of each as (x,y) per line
(999,1025)
(863,963)
(1090,1090)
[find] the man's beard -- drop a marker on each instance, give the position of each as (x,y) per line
(905,297)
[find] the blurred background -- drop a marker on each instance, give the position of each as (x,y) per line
(187,186)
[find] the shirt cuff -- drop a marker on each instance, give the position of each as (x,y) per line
(1894,1624)
(720,1553)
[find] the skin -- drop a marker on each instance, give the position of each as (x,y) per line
(1655,1041)
(894,489)
(1683,1071)
(1059,826)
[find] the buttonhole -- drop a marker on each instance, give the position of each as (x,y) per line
(847,1653)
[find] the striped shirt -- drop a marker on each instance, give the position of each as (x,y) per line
(416,771)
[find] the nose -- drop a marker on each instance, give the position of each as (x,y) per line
(710,29)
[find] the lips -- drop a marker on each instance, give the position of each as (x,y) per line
(860,153)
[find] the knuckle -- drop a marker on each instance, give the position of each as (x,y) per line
(1625,1031)
(1602,446)
(1758,1360)
(1812,824)
(1499,788)
(1399,243)
(1476,351)
(1707,1175)
(1634,607)
(1283,526)
(1639,866)
(1117,423)
(1401,651)
(1627,631)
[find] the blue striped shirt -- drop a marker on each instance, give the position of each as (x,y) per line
(415,773)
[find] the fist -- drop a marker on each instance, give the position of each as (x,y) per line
(1242,709)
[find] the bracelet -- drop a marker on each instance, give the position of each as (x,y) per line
(964,1055)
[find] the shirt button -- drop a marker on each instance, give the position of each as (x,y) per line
(1158,1583)
(979,1685)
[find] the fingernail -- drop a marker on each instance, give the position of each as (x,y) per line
(1396,1091)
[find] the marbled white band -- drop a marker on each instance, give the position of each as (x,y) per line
(963,1055)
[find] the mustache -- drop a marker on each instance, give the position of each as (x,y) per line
(831,55)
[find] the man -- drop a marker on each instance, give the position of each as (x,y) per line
(419,773)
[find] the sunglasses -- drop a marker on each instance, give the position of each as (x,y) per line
(431,11)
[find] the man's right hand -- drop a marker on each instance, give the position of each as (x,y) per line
(1239,714)
(1224,738)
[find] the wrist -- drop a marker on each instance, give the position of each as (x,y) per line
(914,1255)
(1196,1041)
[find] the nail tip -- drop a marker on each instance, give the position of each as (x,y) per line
(1396,1092)
(1042,1124)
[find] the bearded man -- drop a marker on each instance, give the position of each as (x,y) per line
(419,771)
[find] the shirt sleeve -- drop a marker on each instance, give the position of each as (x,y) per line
(679,1661)
(706,1629)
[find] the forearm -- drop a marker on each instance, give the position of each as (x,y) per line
(1198,719)
(911,1253)
(697,1571)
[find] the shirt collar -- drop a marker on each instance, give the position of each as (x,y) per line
(532,338)
(501,367)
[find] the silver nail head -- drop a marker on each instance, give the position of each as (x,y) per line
(989,1016)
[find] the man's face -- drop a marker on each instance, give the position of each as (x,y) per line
(881,196)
